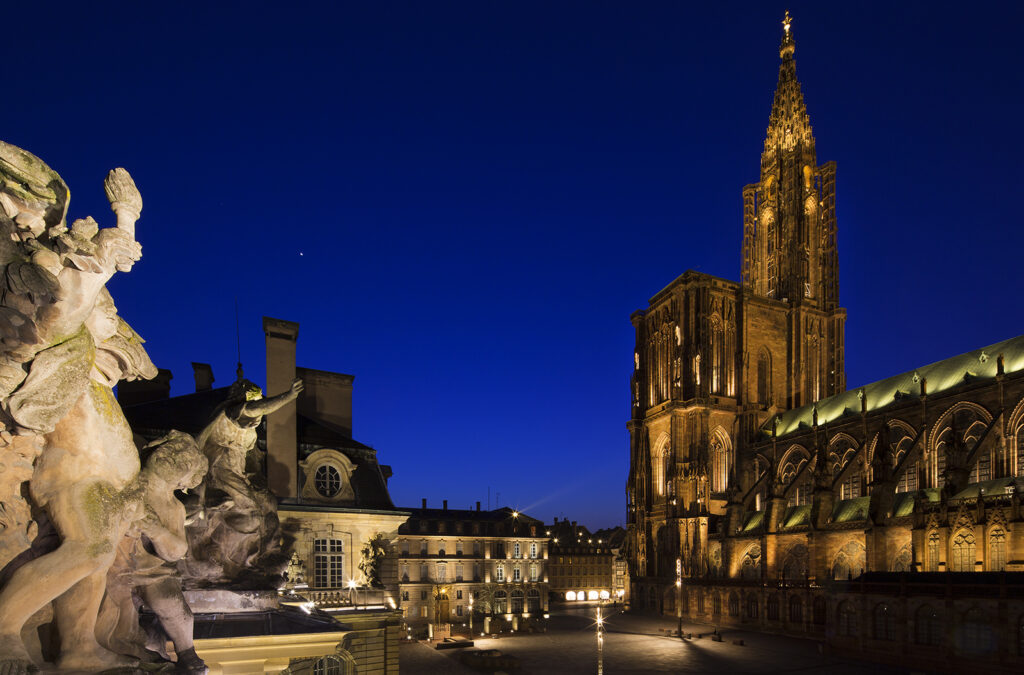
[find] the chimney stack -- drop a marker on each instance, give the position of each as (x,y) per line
(478,506)
(203,373)
(282,433)
(445,504)
(424,502)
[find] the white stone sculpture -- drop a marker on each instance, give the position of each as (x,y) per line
(62,349)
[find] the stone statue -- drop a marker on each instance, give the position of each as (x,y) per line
(234,538)
(62,349)
(144,567)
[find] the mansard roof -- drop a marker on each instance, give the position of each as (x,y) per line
(978,365)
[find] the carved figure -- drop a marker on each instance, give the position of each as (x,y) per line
(234,537)
(62,348)
(144,565)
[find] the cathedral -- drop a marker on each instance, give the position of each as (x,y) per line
(763,494)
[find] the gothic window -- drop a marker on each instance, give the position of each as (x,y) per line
(717,356)
(764,378)
(884,622)
(846,615)
(750,567)
(900,440)
(328,480)
(957,434)
(997,550)
(721,460)
(328,570)
(963,552)
(902,561)
(773,607)
(933,552)
(751,606)
(734,604)
(928,629)
(843,454)
(661,467)
(792,465)
(716,604)
(813,370)
(794,569)
(849,562)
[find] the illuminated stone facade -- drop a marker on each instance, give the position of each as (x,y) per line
(583,565)
(454,564)
(783,502)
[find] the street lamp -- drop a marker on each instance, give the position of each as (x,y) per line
(600,641)
(679,595)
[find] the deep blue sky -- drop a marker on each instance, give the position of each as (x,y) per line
(461,203)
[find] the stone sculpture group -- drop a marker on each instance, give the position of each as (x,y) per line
(87,533)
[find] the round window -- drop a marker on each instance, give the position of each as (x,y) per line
(328,480)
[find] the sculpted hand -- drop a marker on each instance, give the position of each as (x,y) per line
(117,248)
(297,388)
(124,199)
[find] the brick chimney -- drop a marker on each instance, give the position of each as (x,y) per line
(203,373)
(478,506)
(424,502)
(445,505)
(282,434)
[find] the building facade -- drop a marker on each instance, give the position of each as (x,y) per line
(762,493)
(463,569)
(582,565)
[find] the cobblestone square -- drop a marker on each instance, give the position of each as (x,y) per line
(638,644)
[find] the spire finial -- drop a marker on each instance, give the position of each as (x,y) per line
(787,47)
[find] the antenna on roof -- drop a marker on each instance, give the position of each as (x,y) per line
(238,341)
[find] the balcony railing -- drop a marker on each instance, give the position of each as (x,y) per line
(355,598)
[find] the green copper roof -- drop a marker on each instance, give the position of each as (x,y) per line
(972,366)
(753,521)
(849,510)
(797,516)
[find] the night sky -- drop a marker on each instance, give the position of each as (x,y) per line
(462,203)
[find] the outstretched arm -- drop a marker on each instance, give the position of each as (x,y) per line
(268,405)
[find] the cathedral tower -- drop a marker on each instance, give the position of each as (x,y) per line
(715,359)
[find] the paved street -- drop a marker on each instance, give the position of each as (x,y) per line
(636,644)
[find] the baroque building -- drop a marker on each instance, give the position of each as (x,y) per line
(584,565)
(482,570)
(762,493)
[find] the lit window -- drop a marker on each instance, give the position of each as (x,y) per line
(533,550)
(327,480)
(499,573)
(533,573)
(515,550)
(442,572)
(517,574)
(328,563)
(963,552)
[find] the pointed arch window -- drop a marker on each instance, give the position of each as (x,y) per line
(721,460)
(933,552)
(997,550)
(963,550)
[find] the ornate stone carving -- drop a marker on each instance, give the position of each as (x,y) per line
(234,535)
(328,476)
(143,570)
(62,348)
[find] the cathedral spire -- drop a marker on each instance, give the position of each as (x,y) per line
(788,122)
(789,215)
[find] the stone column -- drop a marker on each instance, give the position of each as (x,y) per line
(282,437)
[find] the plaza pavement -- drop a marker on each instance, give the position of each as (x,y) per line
(636,644)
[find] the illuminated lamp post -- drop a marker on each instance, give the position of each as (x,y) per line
(470,614)
(679,595)
(600,641)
